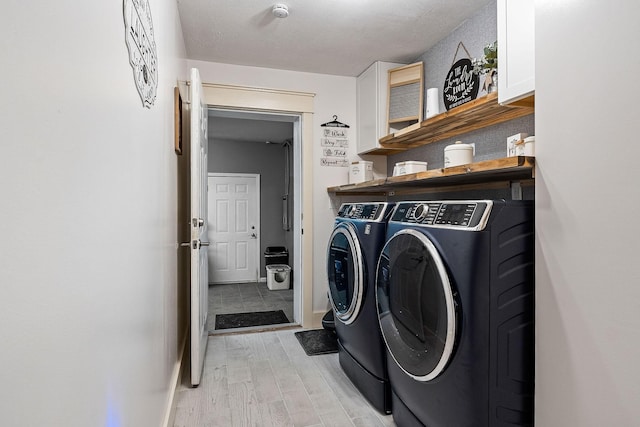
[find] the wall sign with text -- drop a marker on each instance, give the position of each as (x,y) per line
(461,84)
(143,55)
(335,143)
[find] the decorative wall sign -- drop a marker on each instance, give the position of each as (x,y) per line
(334,142)
(461,84)
(142,48)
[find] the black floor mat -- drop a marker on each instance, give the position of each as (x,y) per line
(243,320)
(318,341)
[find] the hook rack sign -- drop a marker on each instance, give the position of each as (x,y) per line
(335,143)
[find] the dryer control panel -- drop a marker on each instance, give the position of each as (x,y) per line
(464,214)
(365,211)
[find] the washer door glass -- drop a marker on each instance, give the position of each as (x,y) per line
(415,302)
(345,272)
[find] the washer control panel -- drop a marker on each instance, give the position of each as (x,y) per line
(464,214)
(365,211)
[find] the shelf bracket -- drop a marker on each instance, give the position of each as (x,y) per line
(516,190)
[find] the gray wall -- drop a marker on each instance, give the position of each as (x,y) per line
(490,142)
(268,160)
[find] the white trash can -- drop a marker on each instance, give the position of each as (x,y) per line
(278,277)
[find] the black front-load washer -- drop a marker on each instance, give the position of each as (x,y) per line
(455,300)
(355,243)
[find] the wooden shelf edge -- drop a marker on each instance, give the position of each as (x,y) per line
(363,186)
(527,102)
(382,151)
(361,193)
(477,114)
(404,119)
(516,168)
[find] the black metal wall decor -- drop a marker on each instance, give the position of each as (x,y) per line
(461,84)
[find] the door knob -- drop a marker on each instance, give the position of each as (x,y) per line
(254,236)
(195,244)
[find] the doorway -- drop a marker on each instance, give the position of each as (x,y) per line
(298,108)
(262,145)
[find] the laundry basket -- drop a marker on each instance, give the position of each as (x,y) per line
(278,277)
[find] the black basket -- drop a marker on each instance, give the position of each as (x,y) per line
(276,255)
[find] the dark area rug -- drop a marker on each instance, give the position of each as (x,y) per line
(243,320)
(318,341)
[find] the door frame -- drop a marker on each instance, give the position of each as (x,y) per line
(256,177)
(299,107)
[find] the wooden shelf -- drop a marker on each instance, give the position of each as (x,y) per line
(477,114)
(506,169)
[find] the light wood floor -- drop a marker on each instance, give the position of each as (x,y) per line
(265,379)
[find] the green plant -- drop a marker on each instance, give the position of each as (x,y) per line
(489,62)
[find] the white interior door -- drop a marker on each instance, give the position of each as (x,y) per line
(234,228)
(199,243)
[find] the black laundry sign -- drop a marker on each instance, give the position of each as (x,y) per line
(461,84)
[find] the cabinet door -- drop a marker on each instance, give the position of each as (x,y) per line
(367,109)
(371,105)
(516,50)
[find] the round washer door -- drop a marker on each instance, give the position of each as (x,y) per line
(416,306)
(345,272)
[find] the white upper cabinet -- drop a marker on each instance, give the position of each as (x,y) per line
(516,50)
(372,96)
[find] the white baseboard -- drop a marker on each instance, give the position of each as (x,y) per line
(263,279)
(176,375)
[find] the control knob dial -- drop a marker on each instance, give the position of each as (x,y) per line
(420,212)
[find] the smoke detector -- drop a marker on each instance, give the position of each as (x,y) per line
(280,10)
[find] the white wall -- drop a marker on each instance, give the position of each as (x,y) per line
(89,309)
(334,95)
(587,268)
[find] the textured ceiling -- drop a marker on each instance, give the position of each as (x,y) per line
(340,37)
